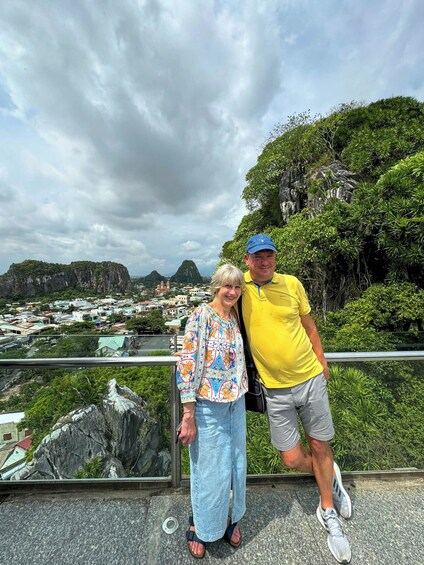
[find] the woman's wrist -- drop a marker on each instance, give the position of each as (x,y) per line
(188,409)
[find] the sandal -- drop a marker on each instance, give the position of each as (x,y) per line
(192,536)
(229,534)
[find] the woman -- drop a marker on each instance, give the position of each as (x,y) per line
(212,379)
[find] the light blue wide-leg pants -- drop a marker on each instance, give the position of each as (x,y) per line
(217,466)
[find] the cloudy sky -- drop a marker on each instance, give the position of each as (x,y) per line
(127,127)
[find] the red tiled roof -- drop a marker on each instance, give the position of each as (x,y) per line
(25,443)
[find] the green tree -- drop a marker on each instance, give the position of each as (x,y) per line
(115,318)
(405,425)
(392,211)
(148,323)
(393,307)
(18,353)
(360,409)
(74,345)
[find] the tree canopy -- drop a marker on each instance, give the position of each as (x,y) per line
(153,322)
(343,198)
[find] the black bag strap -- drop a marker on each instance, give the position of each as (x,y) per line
(247,353)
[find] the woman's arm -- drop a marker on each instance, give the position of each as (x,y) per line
(189,372)
(189,364)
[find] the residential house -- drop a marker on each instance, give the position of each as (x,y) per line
(114,345)
(201,296)
(181,299)
(142,306)
(13,457)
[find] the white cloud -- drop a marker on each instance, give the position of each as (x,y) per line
(128,128)
(191,246)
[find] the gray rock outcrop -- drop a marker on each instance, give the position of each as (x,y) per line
(292,193)
(122,434)
(331,182)
(298,190)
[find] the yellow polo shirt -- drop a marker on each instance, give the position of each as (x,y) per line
(280,346)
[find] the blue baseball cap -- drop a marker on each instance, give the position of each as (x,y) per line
(260,242)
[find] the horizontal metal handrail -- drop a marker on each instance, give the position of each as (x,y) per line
(348,357)
(56,362)
(170,360)
(151,361)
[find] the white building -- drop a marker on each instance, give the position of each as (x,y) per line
(9,428)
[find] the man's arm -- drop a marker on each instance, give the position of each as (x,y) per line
(311,330)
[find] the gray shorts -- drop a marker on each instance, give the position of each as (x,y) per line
(309,401)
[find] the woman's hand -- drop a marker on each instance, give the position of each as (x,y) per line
(188,425)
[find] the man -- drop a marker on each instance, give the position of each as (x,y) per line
(287,351)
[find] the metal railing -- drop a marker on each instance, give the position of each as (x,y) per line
(175,481)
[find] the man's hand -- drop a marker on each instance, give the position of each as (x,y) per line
(311,330)
(325,368)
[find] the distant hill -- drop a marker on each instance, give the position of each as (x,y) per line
(151,280)
(187,273)
(33,278)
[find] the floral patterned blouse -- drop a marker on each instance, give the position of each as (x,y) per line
(211,366)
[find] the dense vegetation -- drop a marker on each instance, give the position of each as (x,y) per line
(32,268)
(355,239)
(153,322)
(341,240)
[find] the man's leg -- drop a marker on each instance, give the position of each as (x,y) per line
(322,464)
(299,458)
(318,462)
(314,411)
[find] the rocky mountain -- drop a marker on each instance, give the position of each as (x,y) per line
(31,278)
(121,433)
(151,280)
(187,273)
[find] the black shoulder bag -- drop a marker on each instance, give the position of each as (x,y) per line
(254,397)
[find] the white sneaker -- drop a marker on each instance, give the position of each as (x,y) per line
(336,539)
(341,499)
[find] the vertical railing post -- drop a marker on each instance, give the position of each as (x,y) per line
(175,419)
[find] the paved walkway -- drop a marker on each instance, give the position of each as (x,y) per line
(280,527)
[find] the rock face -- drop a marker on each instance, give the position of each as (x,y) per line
(292,193)
(298,191)
(187,273)
(31,278)
(122,434)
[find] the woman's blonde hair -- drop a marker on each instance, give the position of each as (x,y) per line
(226,274)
